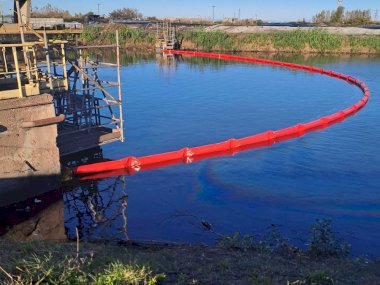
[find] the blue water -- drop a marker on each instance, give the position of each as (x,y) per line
(334,173)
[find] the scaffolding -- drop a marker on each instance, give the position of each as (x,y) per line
(166,37)
(91,107)
(93,112)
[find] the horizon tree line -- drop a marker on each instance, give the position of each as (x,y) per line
(340,16)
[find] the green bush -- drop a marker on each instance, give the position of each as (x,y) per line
(274,241)
(323,241)
(236,241)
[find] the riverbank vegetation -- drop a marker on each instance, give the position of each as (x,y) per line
(296,41)
(238,259)
(129,38)
(300,41)
(58,263)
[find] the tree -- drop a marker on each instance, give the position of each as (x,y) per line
(322,17)
(49,11)
(152,18)
(355,17)
(125,13)
(337,16)
(358,17)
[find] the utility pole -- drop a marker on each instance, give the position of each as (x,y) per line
(239,14)
(1,11)
(213,13)
(99,9)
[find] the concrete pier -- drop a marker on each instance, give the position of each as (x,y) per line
(29,156)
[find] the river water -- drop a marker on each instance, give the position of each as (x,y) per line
(172,103)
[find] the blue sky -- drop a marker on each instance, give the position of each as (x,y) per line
(270,10)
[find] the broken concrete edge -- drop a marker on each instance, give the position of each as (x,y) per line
(16,103)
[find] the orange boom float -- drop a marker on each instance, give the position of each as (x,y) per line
(132,164)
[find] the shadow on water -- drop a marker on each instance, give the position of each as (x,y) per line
(126,58)
(17,189)
(37,218)
(91,207)
(95,207)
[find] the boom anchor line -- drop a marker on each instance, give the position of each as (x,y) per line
(131,164)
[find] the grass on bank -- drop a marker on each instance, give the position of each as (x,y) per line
(46,269)
(127,35)
(237,260)
(312,40)
(208,41)
(101,264)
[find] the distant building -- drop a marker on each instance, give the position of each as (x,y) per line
(93,19)
(230,20)
(46,23)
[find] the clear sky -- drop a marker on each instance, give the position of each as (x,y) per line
(269,10)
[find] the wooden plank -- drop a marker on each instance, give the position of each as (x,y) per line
(43,122)
(86,140)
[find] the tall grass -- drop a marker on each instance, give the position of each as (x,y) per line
(260,39)
(294,40)
(372,43)
(322,41)
(135,36)
(312,40)
(127,35)
(316,39)
(207,41)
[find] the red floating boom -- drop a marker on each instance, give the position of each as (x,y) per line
(188,155)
